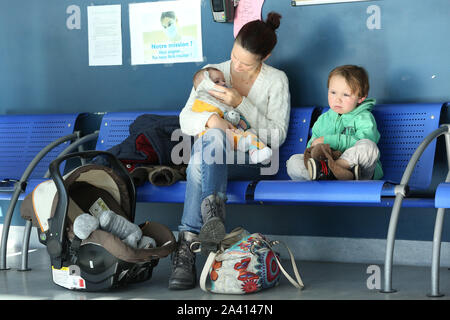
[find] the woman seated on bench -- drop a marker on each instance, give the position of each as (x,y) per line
(260,93)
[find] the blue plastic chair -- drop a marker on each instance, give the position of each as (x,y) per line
(442,202)
(410,152)
(115,128)
(28,143)
(402,128)
(296,139)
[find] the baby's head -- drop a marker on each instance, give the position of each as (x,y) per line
(215,75)
(348,87)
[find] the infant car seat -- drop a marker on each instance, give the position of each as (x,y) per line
(102,261)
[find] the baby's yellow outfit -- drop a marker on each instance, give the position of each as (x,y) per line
(242,140)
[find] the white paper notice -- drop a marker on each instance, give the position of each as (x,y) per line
(166,32)
(105,35)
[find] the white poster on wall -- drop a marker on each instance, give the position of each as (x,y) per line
(166,32)
(104,35)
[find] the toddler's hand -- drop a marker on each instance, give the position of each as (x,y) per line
(317,141)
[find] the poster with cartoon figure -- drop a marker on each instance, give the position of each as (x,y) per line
(166,32)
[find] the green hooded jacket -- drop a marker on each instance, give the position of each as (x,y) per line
(342,131)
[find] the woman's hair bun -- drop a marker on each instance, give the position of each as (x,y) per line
(273,20)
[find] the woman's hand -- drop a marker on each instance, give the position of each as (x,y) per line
(229,96)
(215,121)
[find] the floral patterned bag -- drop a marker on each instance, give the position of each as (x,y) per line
(245,263)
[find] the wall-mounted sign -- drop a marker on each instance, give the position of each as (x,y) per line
(166,32)
(104,35)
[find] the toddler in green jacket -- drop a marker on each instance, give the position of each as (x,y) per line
(348,126)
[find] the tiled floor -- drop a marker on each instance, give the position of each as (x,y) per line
(323,281)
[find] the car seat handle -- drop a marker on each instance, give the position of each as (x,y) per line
(57,222)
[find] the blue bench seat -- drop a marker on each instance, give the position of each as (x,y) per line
(321,192)
(402,127)
(442,202)
(236,192)
(115,128)
(442,196)
(22,137)
(28,143)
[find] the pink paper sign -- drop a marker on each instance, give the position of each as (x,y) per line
(247,10)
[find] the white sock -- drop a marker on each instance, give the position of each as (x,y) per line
(296,169)
(258,156)
(244,143)
(146,243)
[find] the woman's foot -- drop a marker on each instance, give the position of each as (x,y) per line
(213,229)
(184,273)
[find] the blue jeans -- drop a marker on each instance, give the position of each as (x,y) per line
(208,173)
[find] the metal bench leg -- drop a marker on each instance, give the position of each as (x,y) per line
(18,190)
(6,225)
(25,246)
(78,144)
(390,241)
(400,193)
(435,262)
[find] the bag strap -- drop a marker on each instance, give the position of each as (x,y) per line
(298,283)
(229,240)
(204,276)
(232,238)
